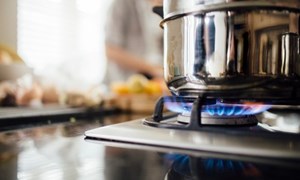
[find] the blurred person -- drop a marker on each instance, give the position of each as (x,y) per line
(134,40)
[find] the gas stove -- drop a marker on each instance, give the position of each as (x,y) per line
(210,125)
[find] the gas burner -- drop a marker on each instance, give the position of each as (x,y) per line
(202,111)
(208,119)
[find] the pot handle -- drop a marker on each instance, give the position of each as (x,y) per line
(158,10)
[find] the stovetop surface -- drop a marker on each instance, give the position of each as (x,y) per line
(261,140)
(59,151)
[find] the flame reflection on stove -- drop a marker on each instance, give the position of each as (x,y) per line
(220,109)
(210,168)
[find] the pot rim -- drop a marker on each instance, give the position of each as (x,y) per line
(233,6)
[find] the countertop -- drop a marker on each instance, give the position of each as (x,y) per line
(59,151)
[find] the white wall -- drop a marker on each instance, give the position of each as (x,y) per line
(8,23)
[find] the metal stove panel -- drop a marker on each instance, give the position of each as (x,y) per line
(230,142)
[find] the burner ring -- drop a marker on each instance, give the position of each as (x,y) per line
(220,120)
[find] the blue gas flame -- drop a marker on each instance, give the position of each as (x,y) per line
(220,109)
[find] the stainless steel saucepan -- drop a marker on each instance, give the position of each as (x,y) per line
(232,48)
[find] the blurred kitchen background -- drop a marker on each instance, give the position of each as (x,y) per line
(62,40)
